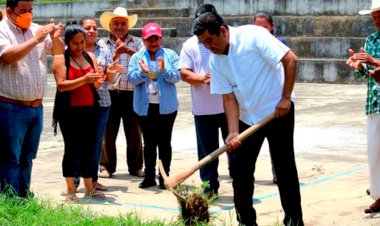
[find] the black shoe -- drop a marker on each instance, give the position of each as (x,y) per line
(147,183)
(138,173)
(162,185)
(374,208)
(26,194)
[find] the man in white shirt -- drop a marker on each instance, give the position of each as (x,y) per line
(255,73)
(207,108)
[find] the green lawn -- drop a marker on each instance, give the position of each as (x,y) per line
(36,211)
(17,211)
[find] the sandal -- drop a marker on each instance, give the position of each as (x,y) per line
(96,195)
(72,198)
(64,192)
(105,174)
(99,187)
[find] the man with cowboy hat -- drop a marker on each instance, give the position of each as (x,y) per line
(367,65)
(122,46)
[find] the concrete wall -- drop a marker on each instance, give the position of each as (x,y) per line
(225,7)
(319,31)
(292,7)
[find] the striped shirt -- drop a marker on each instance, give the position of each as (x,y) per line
(120,82)
(25,80)
(372,47)
(195,56)
(104,57)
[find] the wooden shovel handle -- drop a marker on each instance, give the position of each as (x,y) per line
(242,136)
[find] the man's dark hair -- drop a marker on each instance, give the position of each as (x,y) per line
(204,8)
(264,14)
(210,22)
(71,30)
(14,3)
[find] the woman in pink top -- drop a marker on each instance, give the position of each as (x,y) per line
(77,77)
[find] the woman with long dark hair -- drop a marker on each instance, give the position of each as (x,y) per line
(76,109)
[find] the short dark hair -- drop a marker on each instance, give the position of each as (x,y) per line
(204,8)
(14,3)
(71,30)
(264,14)
(210,22)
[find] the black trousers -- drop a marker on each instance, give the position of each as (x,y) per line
(279,133)
(122,109)
(78,131)
(157,132)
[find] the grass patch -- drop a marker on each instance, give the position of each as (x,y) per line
(33,211)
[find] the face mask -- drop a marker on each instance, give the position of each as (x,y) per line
(24,20)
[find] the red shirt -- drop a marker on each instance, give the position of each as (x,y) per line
(81,96)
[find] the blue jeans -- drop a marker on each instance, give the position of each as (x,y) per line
(100,129)
(101,123)
(207,131)
(20,132)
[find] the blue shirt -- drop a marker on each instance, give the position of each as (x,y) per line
(166,80)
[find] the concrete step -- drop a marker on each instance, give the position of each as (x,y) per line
(312,70)
(292,26)
(166,32)
(304,47)
(153,12)
(317,26)
(326,71)
(283,7)
(224,7)
(324,47)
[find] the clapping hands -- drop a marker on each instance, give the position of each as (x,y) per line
(356,60)
(113,69)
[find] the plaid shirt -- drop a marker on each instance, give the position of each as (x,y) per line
(372,47)
(26,79)
(120,82)
(104,57)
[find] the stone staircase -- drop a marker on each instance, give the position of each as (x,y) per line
(320,38)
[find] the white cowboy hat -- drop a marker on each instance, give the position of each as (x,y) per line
(375,7)
(106,17)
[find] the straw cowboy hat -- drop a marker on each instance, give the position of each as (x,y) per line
(106,17)
(375,7)
(3,13)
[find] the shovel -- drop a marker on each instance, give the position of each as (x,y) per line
(172,181)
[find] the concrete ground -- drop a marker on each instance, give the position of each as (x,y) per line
(330,144)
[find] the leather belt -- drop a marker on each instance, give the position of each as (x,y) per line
(34,103)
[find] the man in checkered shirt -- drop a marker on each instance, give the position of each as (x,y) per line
(23,63)
(123,46)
